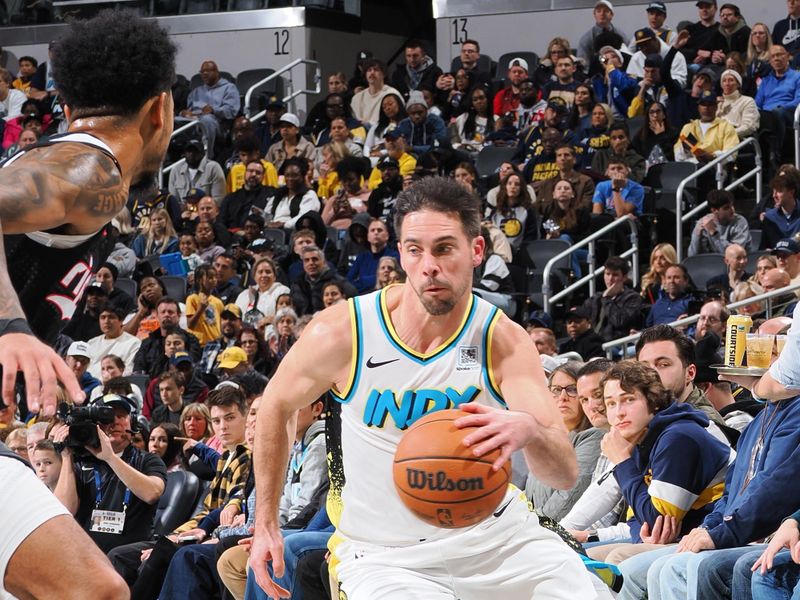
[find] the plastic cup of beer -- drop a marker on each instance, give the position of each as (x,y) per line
(759,350)
(780,340)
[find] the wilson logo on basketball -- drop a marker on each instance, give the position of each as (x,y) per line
(438,481)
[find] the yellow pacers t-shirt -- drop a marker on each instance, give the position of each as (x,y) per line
(235,179)
(207,328)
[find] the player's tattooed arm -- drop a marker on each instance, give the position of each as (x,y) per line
(66,184)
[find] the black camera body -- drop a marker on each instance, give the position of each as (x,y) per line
(83,421)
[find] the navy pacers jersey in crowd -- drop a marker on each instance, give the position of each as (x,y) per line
(49,270)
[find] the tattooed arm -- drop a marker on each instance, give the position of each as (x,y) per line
(63,185)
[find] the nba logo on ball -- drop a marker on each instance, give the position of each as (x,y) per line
(467,358)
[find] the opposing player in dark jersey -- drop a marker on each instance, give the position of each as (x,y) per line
(114,74)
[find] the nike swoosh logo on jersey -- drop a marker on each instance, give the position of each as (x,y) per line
(372,365)
(503,509)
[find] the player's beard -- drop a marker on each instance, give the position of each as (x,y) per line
(439,306)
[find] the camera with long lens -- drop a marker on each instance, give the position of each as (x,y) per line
(83,421)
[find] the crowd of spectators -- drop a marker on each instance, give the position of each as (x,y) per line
(262,225)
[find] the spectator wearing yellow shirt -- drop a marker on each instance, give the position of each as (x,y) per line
(249,150)
(395,148)
(27,69)
(203,310)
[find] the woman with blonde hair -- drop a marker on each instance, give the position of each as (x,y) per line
(662,257)
(196,428)
(757,59)
(743,291)
(330,156)
(585,439)
(764,263)
(158,238)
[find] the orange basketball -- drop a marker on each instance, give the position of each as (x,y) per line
(440,480)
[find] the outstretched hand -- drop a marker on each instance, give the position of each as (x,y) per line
(41,368)
(497,428)
(267,545)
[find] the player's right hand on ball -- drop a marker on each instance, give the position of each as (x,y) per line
(41,368)
(268,546)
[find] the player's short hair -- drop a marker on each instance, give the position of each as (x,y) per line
(112,64)
(440,194)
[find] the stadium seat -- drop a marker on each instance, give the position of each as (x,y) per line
(245,4)
(248,78)
(541,251)
(502,63)
(278,236)
(140,381)
(175,286)
(490,158)
(702,267)
(755,235)
(177,502)
(671,175)
(128,286)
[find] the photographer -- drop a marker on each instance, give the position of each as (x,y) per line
(111,487)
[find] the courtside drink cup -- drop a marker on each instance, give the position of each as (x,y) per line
(759,350)
(736,329)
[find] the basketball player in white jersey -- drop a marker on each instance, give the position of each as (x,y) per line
(390,357)
(114,75)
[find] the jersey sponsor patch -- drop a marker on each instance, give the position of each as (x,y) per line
(468,358)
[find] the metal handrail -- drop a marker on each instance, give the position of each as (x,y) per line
(300,61)
(797,136)
(679,216)
(589,241)
(607,346)
(258,116)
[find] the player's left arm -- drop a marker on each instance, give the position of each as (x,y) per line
(532,421)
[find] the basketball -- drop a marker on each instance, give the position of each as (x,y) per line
(440,480)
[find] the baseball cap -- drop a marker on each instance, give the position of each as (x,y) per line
(702,2)
(539,318)
(194,143)
(518,62)
(96,289)
(231,310)
(179,358)
(707,97)
(275,103)
(578,312)
(232,357)
(784,246)
(393,135)
(262,245)
(659,6)
(708,72)
(195,194)
(644,34)
(605,3)
(116,400)
(79,349)
(290,118)
(558,104)
(387,162)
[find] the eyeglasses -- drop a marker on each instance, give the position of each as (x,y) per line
(572,390)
